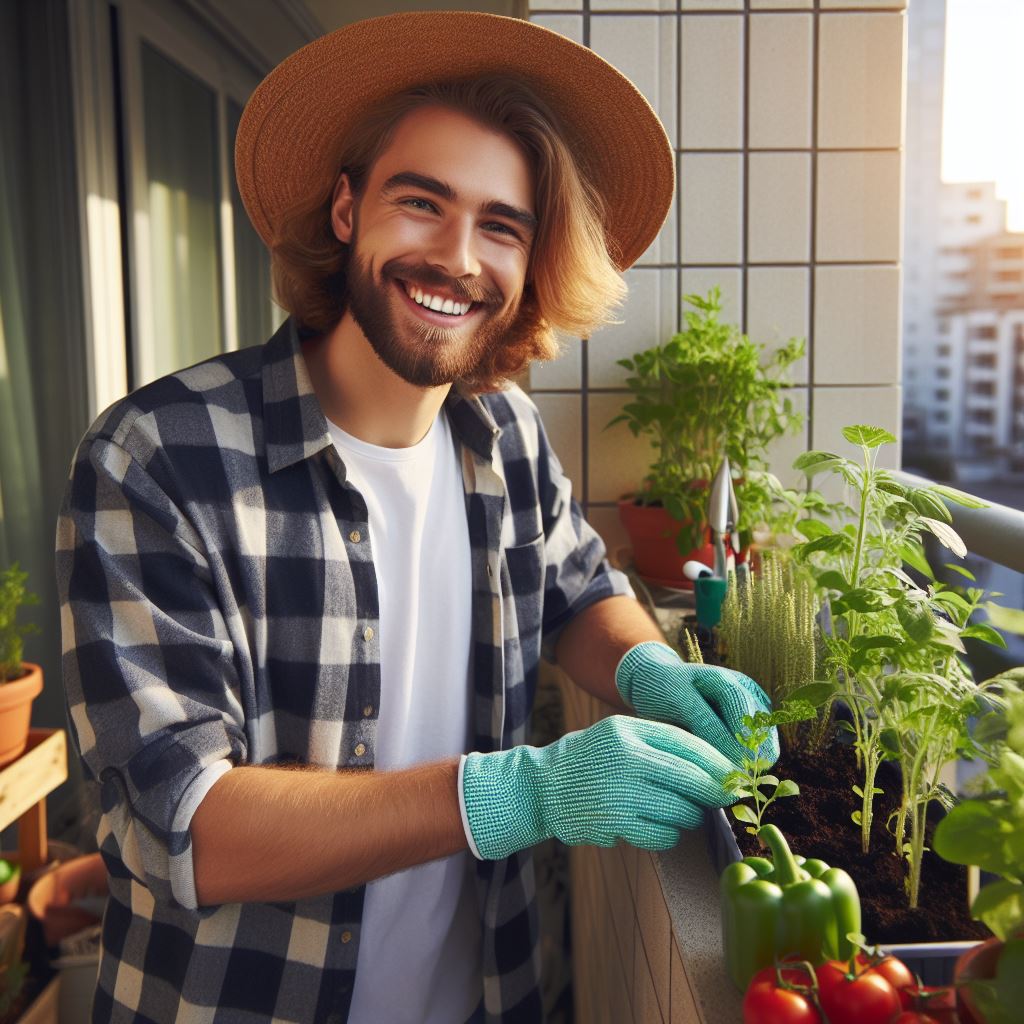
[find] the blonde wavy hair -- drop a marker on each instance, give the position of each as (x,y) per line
(572,282)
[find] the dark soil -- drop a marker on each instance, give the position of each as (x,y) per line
(817,823)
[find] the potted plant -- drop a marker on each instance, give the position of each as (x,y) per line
(895,699)
(705,393)
(20,682)
(988,832)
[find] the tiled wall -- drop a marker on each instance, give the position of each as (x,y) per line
(787,121)
(626,962)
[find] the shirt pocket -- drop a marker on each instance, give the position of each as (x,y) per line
(525,585)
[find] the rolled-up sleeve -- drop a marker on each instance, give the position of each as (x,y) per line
(577,572)
(150,678)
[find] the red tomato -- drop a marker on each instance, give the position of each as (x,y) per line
(766,1003)
(914,1017)
(896,972)
(866,999)
(937,1002)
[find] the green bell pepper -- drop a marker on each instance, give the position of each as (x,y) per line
(787,905)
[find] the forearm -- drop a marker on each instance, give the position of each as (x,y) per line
(594,642)
(272,834)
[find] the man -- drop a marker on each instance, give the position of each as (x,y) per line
(347,550)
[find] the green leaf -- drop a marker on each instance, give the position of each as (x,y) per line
(874,643)
(832,579)
(814,462)
(960,569)
(928,504)
(812,529)
(868,437)
(744,813)
(787,787)
(960,497)
(890,740)
(912,552)
(815,694)
(971,834)
(1009,620)
(856,816)
(983,631)
(1001,906)
(916,618)
(836,543)
(863,599)
(768,780)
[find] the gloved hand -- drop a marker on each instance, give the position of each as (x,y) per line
(706,700)
(622,777)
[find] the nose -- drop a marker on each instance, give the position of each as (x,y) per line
(453,248)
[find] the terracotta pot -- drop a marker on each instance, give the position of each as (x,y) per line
(652,533)
(16,696)
(55,896)
(978,962)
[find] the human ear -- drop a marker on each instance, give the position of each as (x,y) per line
(342,202)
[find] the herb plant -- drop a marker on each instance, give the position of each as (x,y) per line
(892,650)
(12,596)
(747,781)
(705,393)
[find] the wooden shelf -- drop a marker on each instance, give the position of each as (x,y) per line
(24,786)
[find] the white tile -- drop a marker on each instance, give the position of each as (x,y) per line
(729,280)
(777,310)
(632,5)
(563,422)
(649,316)
(781,86)
(788,5)
(867,4)
(857,325)
(617,461)
(712,5)
(566,5)
(664,247)
(568,25)
(644,50)
(835,408)
(779,208)
(860,80)
(712,82)
(711,186)
(564,372)
(858,207)
(783,451)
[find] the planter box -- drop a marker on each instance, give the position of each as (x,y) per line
(933,961)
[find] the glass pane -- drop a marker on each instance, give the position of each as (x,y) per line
(258,316)
(182,170)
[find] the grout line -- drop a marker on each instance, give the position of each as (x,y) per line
(811,276)
(585,363)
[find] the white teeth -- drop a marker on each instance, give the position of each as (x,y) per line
(436,303)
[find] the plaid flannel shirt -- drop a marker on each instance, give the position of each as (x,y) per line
(219,607)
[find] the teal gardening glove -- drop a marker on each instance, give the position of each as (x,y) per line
(620,778)
(706,700)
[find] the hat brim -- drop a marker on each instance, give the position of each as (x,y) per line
(292,126)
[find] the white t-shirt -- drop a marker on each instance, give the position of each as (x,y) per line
(420,945)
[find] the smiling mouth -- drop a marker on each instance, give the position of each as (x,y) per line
(434,316)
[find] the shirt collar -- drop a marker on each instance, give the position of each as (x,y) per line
(295,427)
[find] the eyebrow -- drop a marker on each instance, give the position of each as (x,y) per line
(442,189)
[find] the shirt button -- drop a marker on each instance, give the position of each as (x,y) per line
(368,710)
(368,634)
(346,936)
(355,536)
(360,749)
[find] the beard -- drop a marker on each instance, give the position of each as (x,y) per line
(423,354)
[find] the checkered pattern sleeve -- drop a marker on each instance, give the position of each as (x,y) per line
(149,670)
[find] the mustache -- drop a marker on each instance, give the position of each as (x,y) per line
(427,277)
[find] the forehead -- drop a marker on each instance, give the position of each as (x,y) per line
(480,162)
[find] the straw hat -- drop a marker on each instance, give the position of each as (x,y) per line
(291,129)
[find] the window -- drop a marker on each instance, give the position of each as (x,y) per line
(973,218)
(942,394)
(1011,252)
(983,360)
(943,351)
(1009,275)
(942,372)
(983,388)
(982,331)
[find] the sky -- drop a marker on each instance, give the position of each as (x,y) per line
(983,109)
